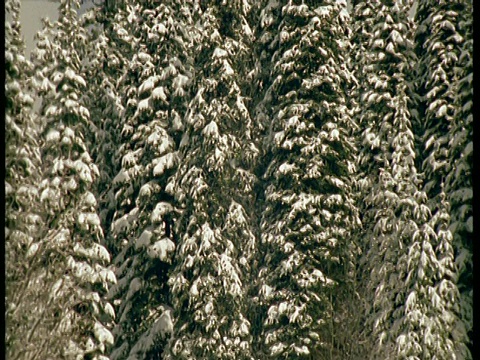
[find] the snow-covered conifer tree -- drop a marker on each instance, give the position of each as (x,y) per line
(75,260)
(309,211)
(444,126)
(408,257)
(103,64)
(215,239)
(155,87)
(24,282)
(458,181)
(438,42)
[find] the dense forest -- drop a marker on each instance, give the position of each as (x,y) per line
(240,179)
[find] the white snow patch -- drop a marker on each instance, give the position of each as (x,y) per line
(160,210)
(143,240)
(159,93)
(122,177)
(32,250)
(161,249)
(148,84)
(108,309)
(97,251)
(53,135)
(143,105)
(219,53)
(211,130)
(180,81)
(102,334)
(121,224)
(167,161)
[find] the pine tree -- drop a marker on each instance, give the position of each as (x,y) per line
(213,187)
(23,217)
(76,315)
(156,88)
(309,213)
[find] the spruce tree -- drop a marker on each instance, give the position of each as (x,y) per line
(104,62)
(309,212)
(75,260)
(24,282)
(408,257)
(156,89)
(213,186)
(438,42)
(444,128)
(458,181)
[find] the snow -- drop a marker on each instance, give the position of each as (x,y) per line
(219,53)
(148,84)
(161,209)
(211,130)
(71,184)
(70,74)
(32,250)
(57,77)
(180,81)
(159,94)
(96,251)
(144,105)
(277,349)
(390,48)
(122,177)
(442,111)
(121,224)
(108,309)
(83,112)
(208,308)
(160,28)
(108,276)
(161,249)
(143,240)
(165,162)
(227,68)
(147,189)
(334,135)
(102,334)
(53,136)
(323,11)
(144,57)
(82,270)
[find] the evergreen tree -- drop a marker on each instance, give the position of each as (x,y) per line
(408,256)
(438,41)
(364,59)
(23,217)
(75,260)
(458,181)
(445,129)
(103,64)
(213,186)
(271,181)
(309,213)
(156,89)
